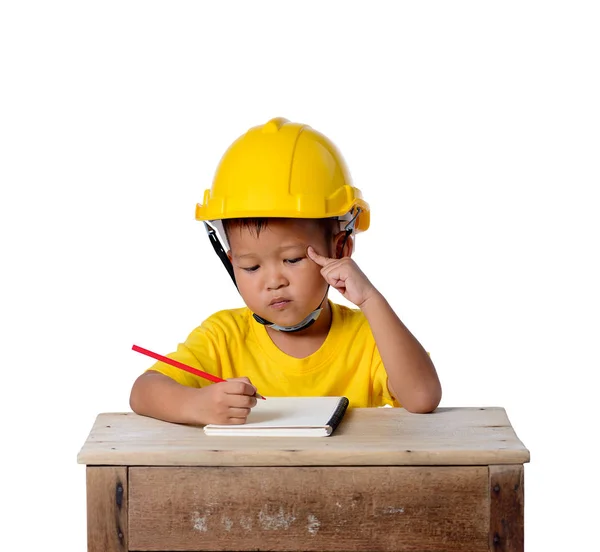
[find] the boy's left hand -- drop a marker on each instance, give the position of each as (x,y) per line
(345,276)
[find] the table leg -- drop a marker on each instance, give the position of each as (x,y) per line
(507,508)
(107,508)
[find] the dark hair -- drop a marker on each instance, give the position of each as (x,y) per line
(330,226)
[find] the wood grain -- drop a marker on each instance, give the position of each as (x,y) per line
(309,508)
(107,509)
(507,532)
(366,436)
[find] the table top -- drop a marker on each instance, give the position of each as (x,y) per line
(366,436)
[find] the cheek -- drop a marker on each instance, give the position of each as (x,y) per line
(311,275)
(244,281)
(249,293)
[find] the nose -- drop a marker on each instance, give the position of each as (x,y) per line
(276,279)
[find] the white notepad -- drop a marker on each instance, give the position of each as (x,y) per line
(288,417)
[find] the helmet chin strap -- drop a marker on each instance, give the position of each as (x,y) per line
(306,323)
(312,317)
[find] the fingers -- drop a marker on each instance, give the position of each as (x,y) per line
(335,273)
(241,378)
(235,421)
(317,258)
(241,401)
(238,413)
(240,386)
(230,403)
(239,392)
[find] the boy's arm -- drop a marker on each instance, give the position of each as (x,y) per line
(158,396)
(412,377)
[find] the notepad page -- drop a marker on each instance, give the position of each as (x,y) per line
(287,412)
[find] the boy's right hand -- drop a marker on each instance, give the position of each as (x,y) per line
(228,402)
(156,395)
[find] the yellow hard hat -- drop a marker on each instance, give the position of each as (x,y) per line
(283,169)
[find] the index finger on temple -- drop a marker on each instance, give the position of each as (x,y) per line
(316,257)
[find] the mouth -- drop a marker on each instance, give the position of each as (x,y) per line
(279,303)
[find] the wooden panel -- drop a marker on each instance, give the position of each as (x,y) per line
(107,509)
(366,436)
(507,508)
(326,508)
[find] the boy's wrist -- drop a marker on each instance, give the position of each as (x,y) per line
(372,302)
(190,408)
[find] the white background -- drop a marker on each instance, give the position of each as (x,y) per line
(472,129)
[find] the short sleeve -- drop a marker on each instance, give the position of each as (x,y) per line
(200,351)
(380,394)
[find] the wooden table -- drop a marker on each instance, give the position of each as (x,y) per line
(385,480)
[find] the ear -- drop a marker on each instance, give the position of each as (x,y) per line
(229,256)
(348,247)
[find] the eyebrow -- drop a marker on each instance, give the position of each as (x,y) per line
(279,249)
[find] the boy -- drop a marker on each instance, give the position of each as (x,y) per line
(284,207)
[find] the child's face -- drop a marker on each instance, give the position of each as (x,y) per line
(275,277)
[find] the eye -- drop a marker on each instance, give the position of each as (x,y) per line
(294,261)
(251,268)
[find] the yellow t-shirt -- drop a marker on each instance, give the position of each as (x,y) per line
(231,344)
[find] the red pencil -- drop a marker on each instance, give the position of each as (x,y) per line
(184,367)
